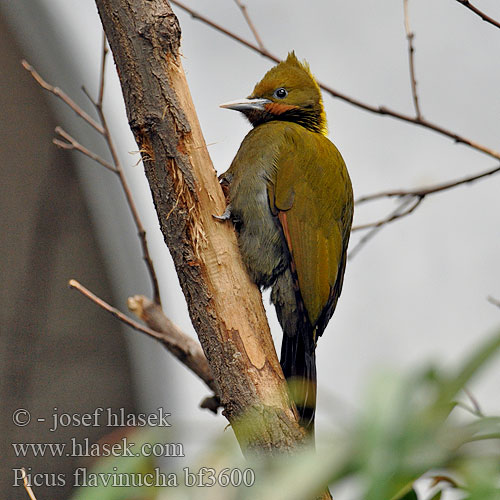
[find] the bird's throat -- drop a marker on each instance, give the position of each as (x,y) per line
(312,118)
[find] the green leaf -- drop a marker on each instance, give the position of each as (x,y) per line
(476,361)
(438,495)
(407,494)
(120,477)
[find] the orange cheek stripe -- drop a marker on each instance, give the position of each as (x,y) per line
(276,108)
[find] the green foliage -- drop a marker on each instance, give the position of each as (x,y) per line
(100,481)
(410,427)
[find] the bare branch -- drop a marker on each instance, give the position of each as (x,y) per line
(182,346)
(123,180)
(494,301)
(401,211)
(103,69)
(221,29)
(27,487)
(211,403)
(104,131)
(422,192)
(380,110)
(480,13)
(397,214)
(61,95)
(71,143)
(115,312)
(244,11)
(436,128)
(411,59)
(408,196)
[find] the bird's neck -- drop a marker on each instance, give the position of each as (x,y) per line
(311,117)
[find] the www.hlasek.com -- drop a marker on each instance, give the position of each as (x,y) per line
(203,477)
(85,448)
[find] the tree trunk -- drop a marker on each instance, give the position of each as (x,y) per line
(225,307)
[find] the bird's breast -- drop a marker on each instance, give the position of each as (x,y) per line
(259,235)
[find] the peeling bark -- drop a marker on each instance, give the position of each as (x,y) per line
(225,307)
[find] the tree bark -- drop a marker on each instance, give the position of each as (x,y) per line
(225,307)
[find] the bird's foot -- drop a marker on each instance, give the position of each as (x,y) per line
(225,216)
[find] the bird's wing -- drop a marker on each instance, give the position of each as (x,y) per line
(313,200)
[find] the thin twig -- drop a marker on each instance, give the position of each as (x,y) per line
(475,403)
(380,110)
(444,479)
(61,95)
(182,346)
(71,143)
(401,211)
(480,13)
(466,407)
(103,69)
(397,214)
(408,196)
(103,129)
(221,29)
(115,312)
(422,192)
(251,25)
(411,59)
(494,301)
(27,487)
(123,181)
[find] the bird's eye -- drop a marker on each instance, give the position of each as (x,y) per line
(280,93)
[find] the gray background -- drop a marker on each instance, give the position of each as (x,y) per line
(417,291)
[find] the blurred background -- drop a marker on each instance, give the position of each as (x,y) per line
(417,292)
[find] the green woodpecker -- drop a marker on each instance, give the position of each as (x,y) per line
(290,199)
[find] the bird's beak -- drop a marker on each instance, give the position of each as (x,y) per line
(246,104)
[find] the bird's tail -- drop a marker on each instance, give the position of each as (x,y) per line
(298,361)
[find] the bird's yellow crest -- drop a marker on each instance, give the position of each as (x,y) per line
(303,96)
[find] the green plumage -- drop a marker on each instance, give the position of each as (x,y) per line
(291,201)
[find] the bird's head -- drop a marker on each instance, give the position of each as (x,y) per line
(288,92)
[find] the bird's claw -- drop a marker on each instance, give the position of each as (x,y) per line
(225,216)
